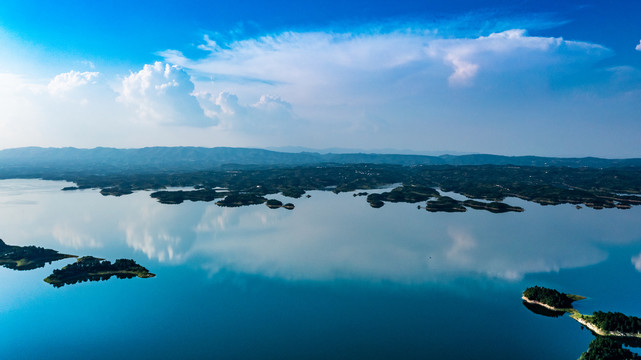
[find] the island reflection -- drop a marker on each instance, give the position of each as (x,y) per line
(330,236)
(28,257)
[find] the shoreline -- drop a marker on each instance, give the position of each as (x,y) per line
(576,315)
(579,318)
(568,310)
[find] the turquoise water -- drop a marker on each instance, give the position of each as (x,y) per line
(332,278)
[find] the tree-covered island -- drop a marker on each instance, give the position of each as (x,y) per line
(606,348)
(612,330)
(485,186)
(249,175)
(276,204)
(27,257)
(611,323)
(550,298)
(89,268)
(601,323)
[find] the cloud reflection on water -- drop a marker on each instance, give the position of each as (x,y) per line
(326,237)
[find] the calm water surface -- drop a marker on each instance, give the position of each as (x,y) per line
(333,278)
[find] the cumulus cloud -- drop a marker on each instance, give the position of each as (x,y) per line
(351,87)
(162,93)
(68,81)
(361,87)
(269,113)
(88,109)
(638,48)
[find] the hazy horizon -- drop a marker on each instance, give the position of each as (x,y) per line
(533,78)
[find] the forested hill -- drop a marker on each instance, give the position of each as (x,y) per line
(31,160)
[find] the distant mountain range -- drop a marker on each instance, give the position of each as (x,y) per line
(33,160)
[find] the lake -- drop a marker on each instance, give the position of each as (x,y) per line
(333,278)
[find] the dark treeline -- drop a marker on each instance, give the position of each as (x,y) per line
(604,348)
(89,268)
(616,321)
(596,188)
(549,297)
(27,257)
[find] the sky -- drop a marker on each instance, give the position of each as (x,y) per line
(524,77)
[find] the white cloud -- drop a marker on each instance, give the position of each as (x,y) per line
(314,58)
(68,81)
(353,87)
(269,114)
(363,88)
(636,261)
(505,52)
(70,237)
(638,47)
(162,94)
(462,244)
(83,109)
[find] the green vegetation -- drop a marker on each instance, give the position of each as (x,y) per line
(604,348)
(27,257)
(595,188)
(589,182)
(549,297)
(406,194)
(494,206)
(89,268)
(615,322)
(114,191)
(612,329)
(235,200)
(446,204)
(275,204)
(293,192)
(418,193)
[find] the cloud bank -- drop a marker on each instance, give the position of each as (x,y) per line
(402,87)
(162,93)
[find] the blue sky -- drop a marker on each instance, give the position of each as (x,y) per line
(513,78)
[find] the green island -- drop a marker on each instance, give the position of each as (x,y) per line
(418,193)
(485,186)
(178,196)
(445,204)
(406,194)
(241,199)
(606,348)
(612,330)
(89,268)
(27,257)
(493,207)
(550,298)
(275,204)
(249,175)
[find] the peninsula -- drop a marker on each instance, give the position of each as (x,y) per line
(611,329)
(27,257)
(89,268)
(613,324)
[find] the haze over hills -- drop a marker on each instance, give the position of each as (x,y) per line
(32,160)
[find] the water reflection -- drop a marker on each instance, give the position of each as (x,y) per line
(325,237)
(542,310)
(27,257)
